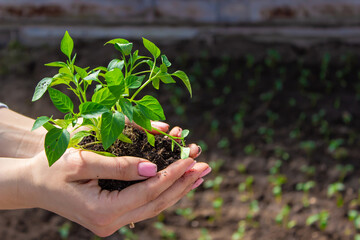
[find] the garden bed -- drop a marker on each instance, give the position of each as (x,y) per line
(267,121)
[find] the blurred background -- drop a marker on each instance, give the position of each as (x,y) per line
(275,107)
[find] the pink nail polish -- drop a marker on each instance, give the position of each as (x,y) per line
(160,125)
(197,183)
(147,169)
(205,172)
(191,166)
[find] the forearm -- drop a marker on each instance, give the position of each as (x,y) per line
(15,183)
(16,138)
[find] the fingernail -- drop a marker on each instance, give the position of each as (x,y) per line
(147,169)
(191,166)
(160,125)
(199,151)
(179,133)
(197,183)
(205,172)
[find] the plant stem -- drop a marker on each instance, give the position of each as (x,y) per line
(146,83)
(171,137)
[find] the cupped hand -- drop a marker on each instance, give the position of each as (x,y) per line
(70,188)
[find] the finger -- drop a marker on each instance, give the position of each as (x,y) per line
(195,150)
(164,127)
(141,193)
(176,132)
(88,165)
(168,198)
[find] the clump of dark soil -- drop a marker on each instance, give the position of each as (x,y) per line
(162,154)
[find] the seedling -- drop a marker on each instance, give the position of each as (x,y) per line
(308,146)
(116,95)
(283,218)
(276,168)
(214,183)
(187,213)
(308,170)
(320,218)
(128,234)
(217,206)
(335,189)
(204,235)
(240,232)
(247,188)
(344,170)
(253,211)
(305,187)
(216,165)
(64,230)
(165,233)
(277,182)
(354,217)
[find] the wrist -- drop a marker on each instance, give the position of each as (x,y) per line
(16,183)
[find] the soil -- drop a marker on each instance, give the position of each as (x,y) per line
(162,154)
(255,115)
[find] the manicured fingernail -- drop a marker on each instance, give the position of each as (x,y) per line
(160,125)
(179,133)
(197,183)
(199,151)
(205,172)
(147,169)
(191,166)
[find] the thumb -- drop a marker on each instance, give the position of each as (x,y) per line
(95,166)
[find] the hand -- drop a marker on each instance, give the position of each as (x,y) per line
(70,188)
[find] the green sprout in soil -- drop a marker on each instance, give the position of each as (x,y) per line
(320,218)
(277,182)
(204,235)
(305,187)
(240,232)
(354,217)
(335,189)
(246,188)
(216,165)
(116,95)
(187,213)
(254,210)
(165,233)
(128,234)
(308,170)
(283,218)
(214,183)
(344,170)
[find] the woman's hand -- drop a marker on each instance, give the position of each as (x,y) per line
(70,188)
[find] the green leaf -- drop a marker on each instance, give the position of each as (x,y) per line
(150,138)
(165,61)
(185,152)
(78,137)
(152,48)
(134,81)
(125,48)
(114,77)
(117,90)
(39,122)
(117,40)
(61,101)
(115,63)
(141,120)
(124,138)
(127,108)
(56,64)
(185,79)
(156,83)
(112,125)
(67,45)
(92,110)
(56,143)
(312,219)
(92,76)
(82,72)
(166,78)
(185,133)
(104,97)
(151,108)
(41,88)
(163,68)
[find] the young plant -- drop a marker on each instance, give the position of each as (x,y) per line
(344,170)
(115,97)
(335,189)
(187,213)
(283,218)
(128,234)
(253,212)
(277,182)
(320,218)
(165,233)
(246,188)
(305,187)
(240,232)
(204,235)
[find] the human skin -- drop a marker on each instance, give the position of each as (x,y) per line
(70,186)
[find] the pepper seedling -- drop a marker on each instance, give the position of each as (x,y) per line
(114,98)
